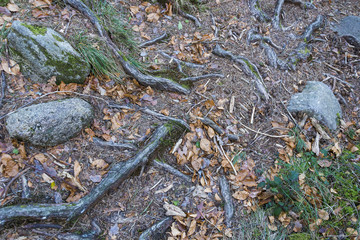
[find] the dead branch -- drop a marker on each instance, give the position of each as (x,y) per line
(171,170)
(157,230)
(228,204)
(154,40)
(181,63)
(117,174)
(3,195)
(191,17)
(3,87)
(248,67)
(129,68)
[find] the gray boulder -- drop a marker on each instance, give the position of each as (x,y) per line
(43,53)
(349,28)
(51,123)
(317,100)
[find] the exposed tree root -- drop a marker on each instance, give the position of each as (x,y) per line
(180,63)
(197,78)
(154,40)
(171,170)
(228,204)
(255,9)
(157,230)
(318,23)
(129,68)
(277,14)
(191,17)
(118,173)
(305,5)
(248,67)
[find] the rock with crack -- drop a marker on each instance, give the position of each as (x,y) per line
(43,53)
(349,28)
(51,123)
(317,100)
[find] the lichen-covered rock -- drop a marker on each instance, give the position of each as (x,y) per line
(349,28)
(51,123)
(43,53)
(317,100)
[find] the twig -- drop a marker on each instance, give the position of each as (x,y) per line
(197,78)
(191,17)
(333,68)
(228,204)
(171,170)
(11,181)
(218,145)
(214,24)
(3,87)
(328,76)
(261,133)
(180,63)
(154,40)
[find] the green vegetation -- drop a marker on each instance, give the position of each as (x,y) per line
(3,3)
(37,30)
(3,34)
(98,55)
(322,190)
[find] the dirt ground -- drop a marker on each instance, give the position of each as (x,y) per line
(125,212)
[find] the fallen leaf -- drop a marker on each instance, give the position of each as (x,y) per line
(297,226)
(13,7)
(192,227)
(172,210)
(164,190)
(174,231)
(241,195)
(197,163)
(153,17)
(324,163)
(10,167)
(351,232)
(99,163)
(324,215)
(205,145)
(134,9)
(77,169)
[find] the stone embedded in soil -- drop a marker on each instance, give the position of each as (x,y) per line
(349,28)
(317,100)
(43,53)
(51,123)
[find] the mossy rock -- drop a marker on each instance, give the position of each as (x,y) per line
(43,53)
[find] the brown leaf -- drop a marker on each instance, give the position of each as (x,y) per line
(197,163)
(153,17)
(324,215)
(240,195)
(11,168)
(192,227)
(99,163)
(77,169)
(40,157)
(324,163)
(134,9)
(249,182)
(13,7)
(205,145)
(297,226)
(172,210)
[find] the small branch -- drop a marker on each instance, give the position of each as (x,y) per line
(197,78)
(3,195)
(277,14)
(191,17)
(216,30)
(180,63)
(218,145)
(154,40)
(228,204)
(3,87)
(213,125)
(171,170)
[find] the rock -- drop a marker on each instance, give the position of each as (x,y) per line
(51,123)
(349,28)
(43,53)
(317,100)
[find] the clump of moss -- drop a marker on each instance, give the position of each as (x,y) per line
(37,30)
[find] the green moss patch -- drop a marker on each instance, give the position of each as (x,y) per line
(37,30)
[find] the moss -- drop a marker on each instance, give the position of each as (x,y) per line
(59,39)
(37,30)
(299,236)
(3,3)
(252,69)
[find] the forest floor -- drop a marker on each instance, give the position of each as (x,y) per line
(232,102)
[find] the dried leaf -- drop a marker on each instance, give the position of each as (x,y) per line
(197,163)
(297,226)
(13,7)
(205,145)
(324,163)
(192,227)
(99,163)
(324,215)
(77,169)
(241,195)
(11,168)
(153,17)
(134,9)
(172,210)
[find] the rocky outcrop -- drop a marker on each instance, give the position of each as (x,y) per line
(349,28)
(51,123)
(43,53)
(317,100)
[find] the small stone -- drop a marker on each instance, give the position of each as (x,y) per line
(317,100)
(51,123)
